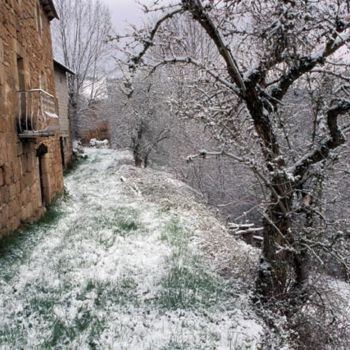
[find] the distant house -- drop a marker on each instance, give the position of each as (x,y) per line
(61,72)
(31,172)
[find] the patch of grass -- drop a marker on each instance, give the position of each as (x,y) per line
(125,221)
(104,226)
(16,239)
(106,239)
(74,165)
(62,334)
(165,208)
(189,283)
(38,307)
(43,305)
(176,345)
(124,293)
(51,217)
(175,234)
(17,246)
(121,293)
(88,320)
(127,225)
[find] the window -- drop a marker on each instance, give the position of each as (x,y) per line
(21,88)
(20,74)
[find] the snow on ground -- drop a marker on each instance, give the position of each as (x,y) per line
(127,259)
(229,257)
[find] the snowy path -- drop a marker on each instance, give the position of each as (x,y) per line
(105,270)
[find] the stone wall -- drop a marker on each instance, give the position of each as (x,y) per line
(63,101)
(27,182)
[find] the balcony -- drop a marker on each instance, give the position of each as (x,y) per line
(37,116)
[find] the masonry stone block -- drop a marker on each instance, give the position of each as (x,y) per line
(4,194)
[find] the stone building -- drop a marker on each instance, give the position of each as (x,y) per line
(61,72)
(31,172)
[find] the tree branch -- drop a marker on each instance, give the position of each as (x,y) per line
(149,42)
(307,63)
(329,72)
(199,14)
(336,139)
(200,66)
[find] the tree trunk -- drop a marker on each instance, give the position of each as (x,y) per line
(145,160)
(274,265)
(277,264)
(137,145)
(137,155)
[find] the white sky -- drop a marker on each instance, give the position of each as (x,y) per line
(123,12)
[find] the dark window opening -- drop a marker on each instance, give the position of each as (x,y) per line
(40,153)
(62,143)
(22,97)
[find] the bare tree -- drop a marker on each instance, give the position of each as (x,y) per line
(81,40)
(267,50)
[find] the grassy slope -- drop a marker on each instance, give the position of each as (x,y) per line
(118,265)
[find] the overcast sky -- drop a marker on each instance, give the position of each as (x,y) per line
(123,12)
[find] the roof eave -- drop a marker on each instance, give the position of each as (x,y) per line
(62,67)
(50,9)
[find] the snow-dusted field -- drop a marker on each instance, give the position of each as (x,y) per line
(119,264)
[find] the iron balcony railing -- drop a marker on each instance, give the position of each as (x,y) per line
(38,113)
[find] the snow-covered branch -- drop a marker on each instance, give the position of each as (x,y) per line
(307,63)
(148,43)
(200,14)
(321,152)
(189,60)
